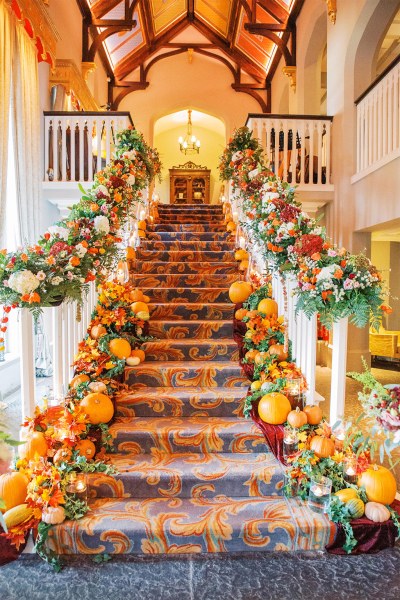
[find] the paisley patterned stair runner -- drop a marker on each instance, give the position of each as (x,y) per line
(193,475)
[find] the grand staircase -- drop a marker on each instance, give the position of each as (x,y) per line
(193,475)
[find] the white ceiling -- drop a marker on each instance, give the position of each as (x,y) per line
(180,118)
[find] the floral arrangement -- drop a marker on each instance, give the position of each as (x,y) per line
(83,246)
(330,281)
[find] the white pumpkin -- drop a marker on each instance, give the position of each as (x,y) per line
(53,515)
(376,512)
(97,386)
(132,361)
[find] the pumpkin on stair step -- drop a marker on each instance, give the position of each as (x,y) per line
(98,407)
(239,291)
(13,489)
(120,347)
(274,408)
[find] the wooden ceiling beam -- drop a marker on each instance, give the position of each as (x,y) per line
(264,30)
(102,7)
(148,23)
(190,10)
(275,10)
(233,22)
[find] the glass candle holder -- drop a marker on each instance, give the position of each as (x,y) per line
(290,442)
(78,486)
(350,469)
(320,494)
(293,391)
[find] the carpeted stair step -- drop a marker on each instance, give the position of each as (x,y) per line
(180,402)
(216,350)
(191,245)
(191,312)
(190,207)
(193,525)
(138,435)
(190,218)
(193,268)
(178,227)
(180,374)
(160,475)
(187,236)
(176,280)
(185,295)
(193,330)
(184,256)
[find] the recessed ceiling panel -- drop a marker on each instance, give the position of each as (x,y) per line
(166,12)
(257,48)
(123,43)
(215,13)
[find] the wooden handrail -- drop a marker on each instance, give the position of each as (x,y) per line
(284,117)
(89,113)
(378,80)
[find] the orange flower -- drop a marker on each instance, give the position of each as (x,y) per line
(50,260)
(338,274)
(325,294)
(24,257)
(74,261)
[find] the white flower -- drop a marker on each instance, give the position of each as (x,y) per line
(131,180)
(261,226)
(101,189)
(238,155)
(61,232)
(80,250)
(23,282)
(57,280)
(101,224)
(41,275)
(130,155)
(326,272)
(284,229)
(253,173)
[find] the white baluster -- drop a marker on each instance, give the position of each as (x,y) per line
(27,362)
(338,381)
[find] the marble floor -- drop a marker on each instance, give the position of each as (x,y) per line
(251,576)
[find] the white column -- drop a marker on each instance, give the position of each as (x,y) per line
(338,375)
(27,365)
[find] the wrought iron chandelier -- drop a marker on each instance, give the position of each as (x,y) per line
(189,144)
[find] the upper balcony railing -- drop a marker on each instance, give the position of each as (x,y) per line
(297,147)
(79,144)
(378,122)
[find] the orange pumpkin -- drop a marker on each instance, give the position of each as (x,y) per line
(137,295)
(231,226)
(75,381)
(297,418)
(86,448)
(268,306)
(62,455)
(252,313)
(379,484)
(138,307)
(322,446)
(35,445)
(278,350)
(146,298)
(142,225)
(314,414)
(243,265)
(120,347)
(240,291)
(130,253)
(240,314)
(13,489)
(141,233)
(274,408)
(97,331)
(251,355)
(139,353)
(261,358)
(228,217)
(241,254)
(98,408)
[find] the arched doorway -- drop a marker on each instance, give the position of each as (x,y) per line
(208,129)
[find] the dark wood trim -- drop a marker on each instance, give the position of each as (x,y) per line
(264,30)
(284,117)
(102,7)
(244,89)
(275,10)
(378,80)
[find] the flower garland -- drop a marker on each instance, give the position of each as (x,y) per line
(82,246)
(330,281)
(72,438)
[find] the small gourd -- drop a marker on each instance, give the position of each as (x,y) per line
(355,508)
(17,515)
(53,515)
(376,512)
(346,494)
(297,418)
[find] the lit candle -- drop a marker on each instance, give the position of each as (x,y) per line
(122,272)
(142,215)
(317,491)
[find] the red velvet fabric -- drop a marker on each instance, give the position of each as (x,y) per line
(8,552)
(273,435)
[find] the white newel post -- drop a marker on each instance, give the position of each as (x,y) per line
(57,351)
(27,365)
(338,381)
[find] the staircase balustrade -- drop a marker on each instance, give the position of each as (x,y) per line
(297,148)
(378,123)
(79,144)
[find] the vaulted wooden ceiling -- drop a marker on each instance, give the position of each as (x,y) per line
(248,36)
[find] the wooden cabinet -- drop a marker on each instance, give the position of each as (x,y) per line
(189,184)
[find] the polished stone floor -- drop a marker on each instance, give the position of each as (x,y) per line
(253,576)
